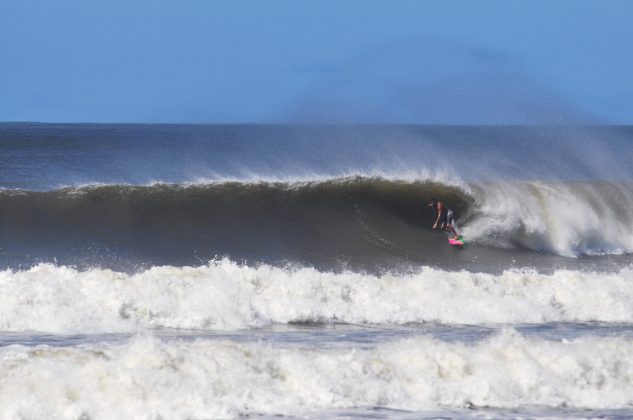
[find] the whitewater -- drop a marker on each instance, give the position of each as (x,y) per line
(147,377)
(224,295)
(164,271)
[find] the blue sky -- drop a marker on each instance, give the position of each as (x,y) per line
(491,62)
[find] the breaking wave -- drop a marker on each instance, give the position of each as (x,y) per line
(359,221)
(189,379)
(224,295)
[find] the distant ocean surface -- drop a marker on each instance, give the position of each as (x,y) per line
(219,271)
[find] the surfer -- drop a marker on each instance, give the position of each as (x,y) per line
(444,218)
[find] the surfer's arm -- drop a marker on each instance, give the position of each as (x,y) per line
(437,219)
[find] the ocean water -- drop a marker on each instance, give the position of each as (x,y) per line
(222,271)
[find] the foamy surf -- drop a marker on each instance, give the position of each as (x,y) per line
(224,295)
(147,377)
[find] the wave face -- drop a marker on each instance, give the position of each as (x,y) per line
(226,296)
(357,222)
(226,379)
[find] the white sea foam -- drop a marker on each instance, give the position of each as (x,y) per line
(569,219)
(148,378)
(225,295)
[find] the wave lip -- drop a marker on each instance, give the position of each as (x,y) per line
(224,296)
(180,379)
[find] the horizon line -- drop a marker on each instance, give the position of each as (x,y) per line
(324,124)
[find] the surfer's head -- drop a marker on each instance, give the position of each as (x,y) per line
(432,202)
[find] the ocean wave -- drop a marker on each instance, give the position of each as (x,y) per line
(147,377)
(224,295)
(355,220)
